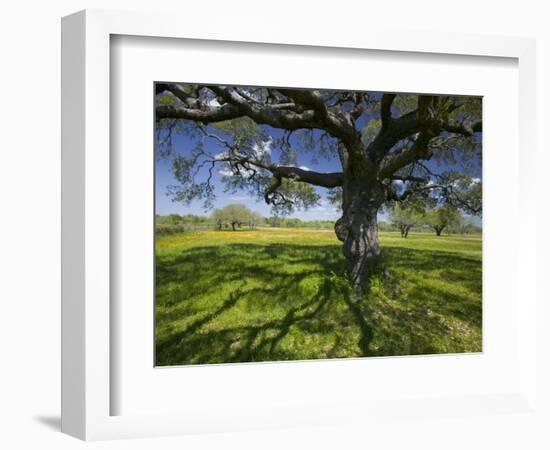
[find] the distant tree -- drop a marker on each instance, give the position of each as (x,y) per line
(466,225)
(294,223)
(443,217)
(218,218)
(234,214)
(253,219)
(407,214)
(275,221)
(195,220)
(174,219)
(172,223)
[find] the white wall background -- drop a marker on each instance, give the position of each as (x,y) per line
(30,198)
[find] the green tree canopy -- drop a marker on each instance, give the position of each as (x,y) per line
(234,215)
(407,214)
(443,217)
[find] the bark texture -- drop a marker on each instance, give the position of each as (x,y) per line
(358,230)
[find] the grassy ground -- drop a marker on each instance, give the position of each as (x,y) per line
(280,294)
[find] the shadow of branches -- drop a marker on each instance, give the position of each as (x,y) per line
(254,302)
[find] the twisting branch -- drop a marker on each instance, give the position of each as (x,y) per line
(394,130)
(234,107)
(204,116)
(250,167)
(399,144)
(419,150)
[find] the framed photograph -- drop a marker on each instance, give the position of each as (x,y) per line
(264,230)
(272,208)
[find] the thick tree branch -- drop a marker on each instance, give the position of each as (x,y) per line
(466,128)
(177,91)
(204,116)
(238,106)
(419,150)
(327,180)
(306,110)
(322,179)
(425,125)
(309,99)
(235,157)
(385,110)
(334,121)
(394,130)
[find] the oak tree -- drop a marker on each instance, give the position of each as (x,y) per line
(234,215)
(443,217)
(407,214)
(382,142)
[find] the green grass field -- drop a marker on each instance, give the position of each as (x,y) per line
(280,294)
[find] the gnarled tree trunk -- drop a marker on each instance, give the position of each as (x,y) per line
(358,230)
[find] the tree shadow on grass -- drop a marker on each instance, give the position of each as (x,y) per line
(249,342)
(253,302)
(439,309)
(460,294)
(235,261)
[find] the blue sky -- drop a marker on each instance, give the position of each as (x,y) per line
(183,144)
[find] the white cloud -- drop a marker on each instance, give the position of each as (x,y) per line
(227,172)
(304,168)
(221,155)
(260,150)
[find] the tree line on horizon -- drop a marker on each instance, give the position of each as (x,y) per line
(403,217)
(232,217)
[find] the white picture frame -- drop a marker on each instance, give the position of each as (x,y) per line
(86,286)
